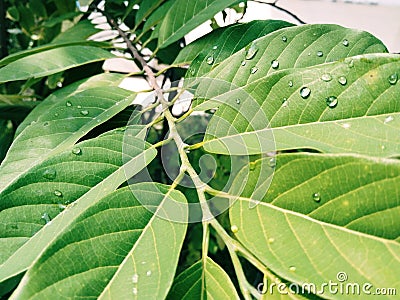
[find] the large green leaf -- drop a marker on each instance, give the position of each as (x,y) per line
(132,255)
(294,47)
(60,127)
(345,106)
(203,280)
(76,35)
(231,40)
(185,16)
(83,173)
(51,61)
(353,192)
(304,250)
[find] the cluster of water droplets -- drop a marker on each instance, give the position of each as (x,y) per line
(135,279)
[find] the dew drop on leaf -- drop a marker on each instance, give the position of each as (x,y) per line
(252,51)
(290,83)
(351,63)
(84,112)
(284,39)
(292,269)
(342,80)
(388,119)
(243,63)
(135,278)
(274,64)
(316,197)
(234,228)
(272,162)
(393,79)
(148,273)
(284,102)
(253,70)
(326,77)
(345,42)
(305,92)
(320,53)
(68,103)
(332,101)
(49,174)
(210,60)
(58,193)
(46,218)
(77,151)
(79,106)
(271,240)
(56,114)
(238,101)
(215,47)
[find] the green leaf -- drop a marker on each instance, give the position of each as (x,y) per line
(353,192)
(304,250)
(230,41)
(157,16)
(273,114)
(203,281)
(76,35)
(121,258)
(145,9)
(51,61)
(313,44)
(77,177)
(53,100)
(60,127)
(185,16)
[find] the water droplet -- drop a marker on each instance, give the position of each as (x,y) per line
(272,162)
(243,63)
(292,269)
(238,101)
(332,101)
(56,114)
(134,291)
(215,47)
(271,240)
(84,112)
(351,63)
(58,193)
(320,53)
(79,106)
(253,70)
(284,39)
(393,78)
(252,166)
(326,77)
(135,278)
(275,64)
(46,218)
(342,80)
(345,42)
(290,83)
(234,228)
(210,60)
(285,102)
(77,151)
(388,119)
(49,174)
(252,51)
(316,197)
(148,273)
(46,124)
(383,147)
(305,92)
(68,103)
(346,125)
(143,262)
